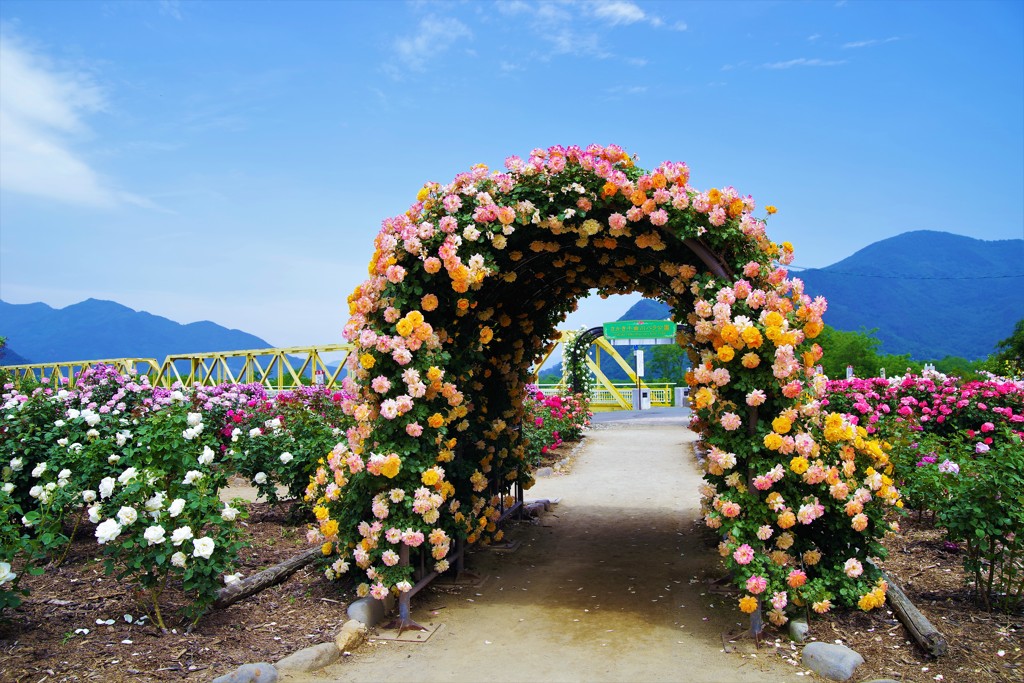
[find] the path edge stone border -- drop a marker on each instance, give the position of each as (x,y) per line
(307,660)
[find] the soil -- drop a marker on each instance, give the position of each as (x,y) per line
(572,602)
(38,641)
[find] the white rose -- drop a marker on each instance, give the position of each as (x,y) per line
(155,535)
(287,458)
(177,505)
(176,395)
(7,575)
(189,434)
(230,578)
(106,487)
(17,464)
(62,442)
(107,531)
(128,475)
(120,439)
(178,559)
(64,474)
(113,458)
(192,476)
(8,487)
(39,469)
(180,535)
(35,491)
(235,433)
(194,419)
(59,423)
(73,414)
(92,434)
(89,496)
(260,478)
(51,487)
(27,522)
(207,457)
(92,419)
(229,513)
(156,502)
(254,432)
(94,514)
(127,515)
(203,547)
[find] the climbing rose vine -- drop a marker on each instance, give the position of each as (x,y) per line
(465,292)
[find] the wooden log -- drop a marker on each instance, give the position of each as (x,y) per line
(926,635)
(229,595)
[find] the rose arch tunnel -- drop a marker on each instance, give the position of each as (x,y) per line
(465,292)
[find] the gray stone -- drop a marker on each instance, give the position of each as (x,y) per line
(882,680)
(370,611)
(544,472)
(310,658)
(798,630)
(831,660)
(250,673)
(350,636)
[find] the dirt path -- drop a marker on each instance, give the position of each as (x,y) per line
(608,586)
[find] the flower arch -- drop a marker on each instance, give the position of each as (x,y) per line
(465,292)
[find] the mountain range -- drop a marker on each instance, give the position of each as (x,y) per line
(95,329)
(929,294)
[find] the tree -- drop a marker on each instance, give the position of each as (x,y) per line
(1009,355)
(668,363)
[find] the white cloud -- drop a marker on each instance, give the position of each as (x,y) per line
(802,61)
(868,43)
(171,8)
(619,12)
(41,112)
(433,37)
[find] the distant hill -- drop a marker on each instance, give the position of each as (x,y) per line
(95,329)
(930,294)
(9,356)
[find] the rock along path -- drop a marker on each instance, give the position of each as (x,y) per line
(610,585)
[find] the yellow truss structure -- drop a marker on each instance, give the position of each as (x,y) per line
(608,394)
(284,368)
(280,368)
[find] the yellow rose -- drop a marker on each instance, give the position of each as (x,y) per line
(726,353)
(799,464)
(367,361)
(326,548)
(781,424)
(748,604)
(430,477)
(772,441)
(329,528)
(391,466)
(750,360)
(752,337)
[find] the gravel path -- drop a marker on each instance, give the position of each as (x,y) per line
(610,585)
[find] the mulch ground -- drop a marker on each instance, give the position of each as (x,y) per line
(39,643)
(982,647)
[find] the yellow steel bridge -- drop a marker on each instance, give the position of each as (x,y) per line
(284,368)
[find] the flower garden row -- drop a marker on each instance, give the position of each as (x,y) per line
(958,456)
(142,469)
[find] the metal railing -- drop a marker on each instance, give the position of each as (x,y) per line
(279,368)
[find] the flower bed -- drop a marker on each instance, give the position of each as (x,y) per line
(147,466)
(958,458)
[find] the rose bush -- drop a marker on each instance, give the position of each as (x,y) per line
(145,466)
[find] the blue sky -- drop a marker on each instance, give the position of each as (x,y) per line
(232,161)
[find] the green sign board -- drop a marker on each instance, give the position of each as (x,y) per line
(640,329)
